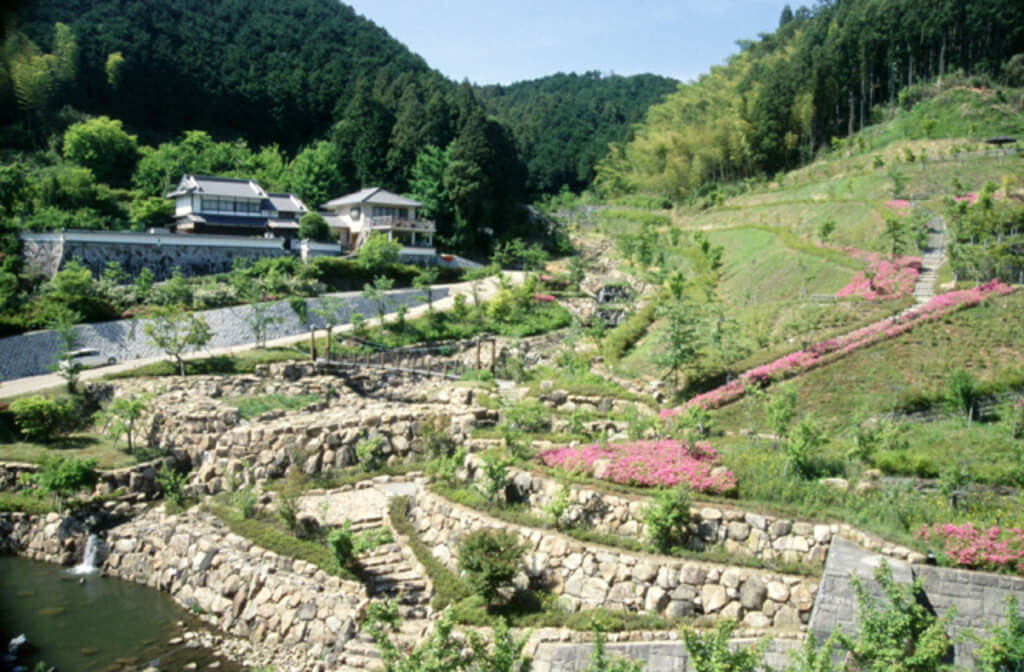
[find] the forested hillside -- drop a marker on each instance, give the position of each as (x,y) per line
(823,74)
(269,72)
(564,123)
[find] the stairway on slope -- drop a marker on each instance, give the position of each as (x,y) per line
(392,573)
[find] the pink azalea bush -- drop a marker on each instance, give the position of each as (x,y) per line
(884,279)
(971,198)
(899,205)
(667,462)
(543,298)
(804,360)
(996,548)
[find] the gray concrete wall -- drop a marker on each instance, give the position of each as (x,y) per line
(34,353)
(978,596)
(664,656)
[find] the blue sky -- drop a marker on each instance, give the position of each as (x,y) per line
(503,41)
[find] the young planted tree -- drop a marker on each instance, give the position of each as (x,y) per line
(679,341)
(121,415)
(63,325)
(490,559)
(176,331)
(301,309)
(425,280)
(963,393)
(896,233)
(902,635)
(1003,650)
(328,309)
(779,411)
(710,652)
(259,317)
(377,293)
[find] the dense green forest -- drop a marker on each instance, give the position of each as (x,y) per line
(824,74)
(564,123)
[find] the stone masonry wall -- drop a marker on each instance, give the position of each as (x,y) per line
(978,596)
(211,435)
(51,254)
(586,575)
(293,611)
(766,537)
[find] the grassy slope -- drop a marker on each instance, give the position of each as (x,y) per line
(984,340)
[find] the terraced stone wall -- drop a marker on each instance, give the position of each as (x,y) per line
(587,575)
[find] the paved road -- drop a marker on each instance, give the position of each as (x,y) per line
(31,384)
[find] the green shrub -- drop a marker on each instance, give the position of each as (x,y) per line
(244,499)
(368,540)
(527,416)
(342,545)
(490,559)
(172,484)
(1003,650)
(710,652)
(64,476)
(368,453)
(625,335)
(667,519)
(42,418)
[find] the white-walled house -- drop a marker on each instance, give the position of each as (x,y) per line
(225,205)
(355,216)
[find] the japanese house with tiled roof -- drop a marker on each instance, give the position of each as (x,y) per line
(224,205)
(355,216)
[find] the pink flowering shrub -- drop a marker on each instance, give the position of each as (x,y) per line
(899,205)
(543,298)
(650,463)
(884,279)
(804,360)
(996,548)
(970,198)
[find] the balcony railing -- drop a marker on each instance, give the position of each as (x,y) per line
(398,224)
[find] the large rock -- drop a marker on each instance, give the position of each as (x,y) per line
(713,598)
(753,593)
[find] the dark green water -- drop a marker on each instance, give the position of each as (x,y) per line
(101,625)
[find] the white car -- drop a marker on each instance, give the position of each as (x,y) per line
(86,359)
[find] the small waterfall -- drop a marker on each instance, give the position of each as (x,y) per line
(89,557)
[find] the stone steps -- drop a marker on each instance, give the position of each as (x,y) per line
(391,574)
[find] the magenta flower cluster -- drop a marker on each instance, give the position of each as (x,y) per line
(649,463)
(833,348)
(899,205)
(543,298)
(996,548)
(884,279)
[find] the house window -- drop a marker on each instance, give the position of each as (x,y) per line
(229,206)
(396,213)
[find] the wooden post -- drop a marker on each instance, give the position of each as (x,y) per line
(478,354)
(312,344)
(492,356)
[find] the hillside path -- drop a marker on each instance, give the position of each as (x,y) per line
(931,258)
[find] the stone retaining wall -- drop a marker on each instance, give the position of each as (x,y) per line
(294,612)
(978,596)
(586,575)
(767,537)
(135,479)
(224,448)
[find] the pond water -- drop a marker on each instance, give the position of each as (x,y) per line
(85,622)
